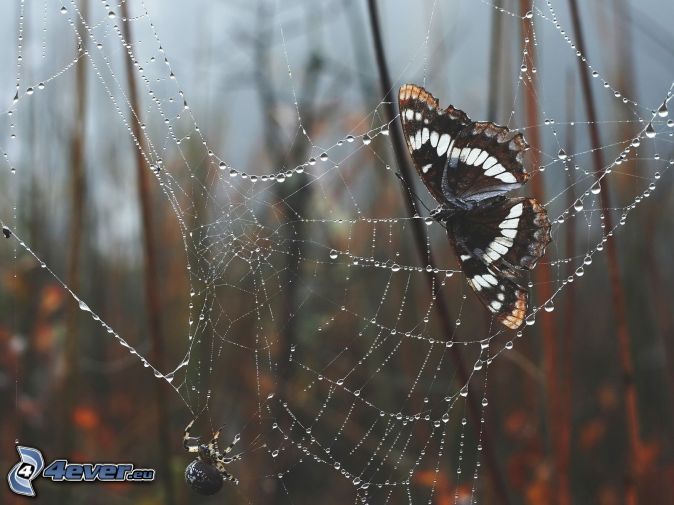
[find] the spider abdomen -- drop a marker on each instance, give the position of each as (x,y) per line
(203,478)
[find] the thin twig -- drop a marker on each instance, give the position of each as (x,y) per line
(151,278)
(498,482)
(544,289)
(567,344)
(78,196)
(618,294)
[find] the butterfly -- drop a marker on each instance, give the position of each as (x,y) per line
(468,167)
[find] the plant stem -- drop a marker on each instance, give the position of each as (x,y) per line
(498,483)
(151,279)
(559,492)
(78,191)
(617,290)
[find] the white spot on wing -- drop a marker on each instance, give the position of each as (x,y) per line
(426,168)
(496,169)
(434,138)
(454,157)
(499,248)
(489,163)
(481,281)
(480,159)
(507,232)
(495,305)
(409,113)
(464,154)
(490,255)
(443,143)
(473,156)
(417,116)
(509,223)
(417,140)
(515,211)
(490,279)
(506,242)
(507,177)
(424,136)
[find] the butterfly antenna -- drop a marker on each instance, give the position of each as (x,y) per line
(412,194)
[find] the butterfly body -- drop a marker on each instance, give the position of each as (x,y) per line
(469,167)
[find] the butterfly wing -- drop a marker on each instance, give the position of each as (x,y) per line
(460,161)
(470,166)
(496,289)
(429,132)
(484,162)
(493,243)
(513,231)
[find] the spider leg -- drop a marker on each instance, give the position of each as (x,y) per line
(225,474)
(213,447)
(226,460)
(191,444)
(229,448)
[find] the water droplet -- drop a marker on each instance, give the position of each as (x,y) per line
(333,254)
(509,344)
(63,10)
(662,111)
(324,157)
(549,306)
(562,154)
(366,139)
(587,260)
(84,307)
(395,267)
(349,138)
(111,15)
(650,131)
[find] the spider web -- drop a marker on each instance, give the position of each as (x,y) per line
(306,291)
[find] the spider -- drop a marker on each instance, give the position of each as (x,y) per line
(206,473)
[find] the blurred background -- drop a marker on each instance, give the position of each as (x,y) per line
(214,182)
